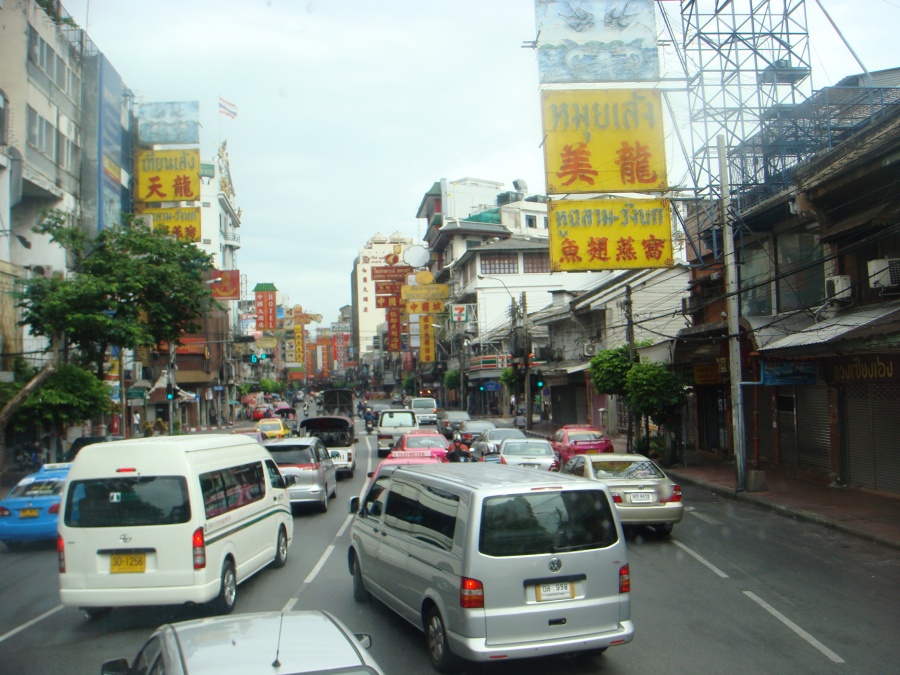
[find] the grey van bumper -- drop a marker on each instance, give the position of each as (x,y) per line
(475,649)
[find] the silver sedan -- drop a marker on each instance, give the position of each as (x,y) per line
(642,492)
(532,453)
(311,464)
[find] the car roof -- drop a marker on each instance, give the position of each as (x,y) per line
(310,641)
(55,471)
(489,475)
(582,427)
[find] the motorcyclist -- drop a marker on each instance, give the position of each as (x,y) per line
(306,408)
(369,417)
(459,451)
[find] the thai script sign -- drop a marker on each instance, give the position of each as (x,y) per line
(430,292)
(788,372)
(167,175)
(396,273)
(182,223)
(603,140)
(610,234)
(864,368)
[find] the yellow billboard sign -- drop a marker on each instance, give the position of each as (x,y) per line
(167,175)
(429,292)
(609,234)
(181,223)
(426,340)
(425,306)
(603,140)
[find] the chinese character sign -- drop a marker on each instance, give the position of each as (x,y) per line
(301,344)
(167,175)
(426,340)
(394,330)
(610,234)
(603,140)
(183,224)
(266,316)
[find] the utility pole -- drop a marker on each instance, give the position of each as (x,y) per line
(529,407)
(632,353)
(733,309)
(170,381)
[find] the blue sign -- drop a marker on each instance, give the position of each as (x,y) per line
(788,372)
(492,385)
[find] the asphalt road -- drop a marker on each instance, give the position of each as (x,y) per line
(734,589)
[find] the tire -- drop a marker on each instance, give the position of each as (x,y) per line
(323,505)
(334,491)
(442,659)
(96,613)
(663,530)
(360,594)
(224,603)
(281,549)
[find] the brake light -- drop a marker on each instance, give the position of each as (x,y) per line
(617,498)
(199,544)
(61,552)
(385,437)
(674,497)
(554,465)
(54,509)
(624,579)
(471,593)
(127,469)
(4,512)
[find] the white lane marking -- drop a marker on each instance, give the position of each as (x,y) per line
(344,527)
(706,519)
(794,627)
(700,558)
(319,565)
(290,605)
(29,624)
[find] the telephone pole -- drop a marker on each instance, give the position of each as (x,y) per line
(632,353)
(529,408)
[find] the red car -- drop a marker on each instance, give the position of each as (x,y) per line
(422,440)
(579,439)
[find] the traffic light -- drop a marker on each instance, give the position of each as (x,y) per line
(170,392)
(540,379)
(481,387)
(263,356)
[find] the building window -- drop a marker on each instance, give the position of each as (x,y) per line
(536,263)
(756,281)
(41,134)
(500,263)
(801,272)
(546,226)
(531,222)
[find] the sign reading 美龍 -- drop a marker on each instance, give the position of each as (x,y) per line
(603,140)
(609,234)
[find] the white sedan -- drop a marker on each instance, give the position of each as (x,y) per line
(532,453)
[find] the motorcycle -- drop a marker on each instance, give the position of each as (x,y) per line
(370,426)
(306,409)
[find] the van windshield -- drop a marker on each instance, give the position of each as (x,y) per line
(131,500)
(546,522)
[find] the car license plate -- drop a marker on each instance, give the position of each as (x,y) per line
(127,563)
(558,590)
(645,497)
(28,513)
(532,466)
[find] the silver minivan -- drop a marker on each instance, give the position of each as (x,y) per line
(494,562)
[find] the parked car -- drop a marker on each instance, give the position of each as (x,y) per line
(469,430)
(576,439)
(422,440)
(391,425)
(489,441)
(425,409)
(252,432)
(493,562)
(339,436)
(448,421)
(532,453)
(30,512)
(299,642)
(309,463)
(642,492)
(274,428)
(259,412)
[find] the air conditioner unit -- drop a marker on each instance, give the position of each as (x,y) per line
(591,349)
(838,288)
(884,273)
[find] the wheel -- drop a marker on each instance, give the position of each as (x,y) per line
(95,613)
(281,549)
(442,659)
(334,491)
(664,529)
(352,471)
(323,505)
(224,603)
(360,594)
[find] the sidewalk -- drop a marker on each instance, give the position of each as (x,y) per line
(857,512)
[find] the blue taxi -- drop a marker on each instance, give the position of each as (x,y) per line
(30,511)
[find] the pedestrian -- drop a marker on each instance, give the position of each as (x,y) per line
(136,422)
(520,420)
(512,405)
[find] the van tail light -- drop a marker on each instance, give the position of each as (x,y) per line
(54,509)
(617,498)
(674,497)
(385,437)
(471,593)
(61,552)
(624,579)
(199,544)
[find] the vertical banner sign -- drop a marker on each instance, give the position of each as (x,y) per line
(393,322)
(311,363)
(426,339)
(266,317)
(609,234)
(603,140)
(300,344)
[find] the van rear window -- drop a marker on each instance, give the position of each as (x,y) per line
(132,500)
(546,522)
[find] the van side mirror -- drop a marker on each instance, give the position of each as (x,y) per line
(354,504)
(115,667)
(289,479)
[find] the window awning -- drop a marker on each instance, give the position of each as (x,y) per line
(876,320)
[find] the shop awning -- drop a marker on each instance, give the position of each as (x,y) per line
(193,377)
(877,320)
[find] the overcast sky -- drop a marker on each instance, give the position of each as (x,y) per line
(349,110)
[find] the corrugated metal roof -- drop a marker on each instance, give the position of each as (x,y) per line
(882,318)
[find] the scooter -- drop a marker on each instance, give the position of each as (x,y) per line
(370,426)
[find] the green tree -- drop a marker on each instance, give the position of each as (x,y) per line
(269,386)
(452,380)
(508,377)
(409,385)
(655,392)
(609,370)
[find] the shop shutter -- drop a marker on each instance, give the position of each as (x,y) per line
(813,430)
(858,425)
(885,401)
(787,427)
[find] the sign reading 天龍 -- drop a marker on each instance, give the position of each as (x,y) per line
(596,40)
(609,234)
(167,175)
(603,140)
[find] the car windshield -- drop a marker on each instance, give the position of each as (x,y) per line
(500,434)
(626,469)
(546,522)
(128,501)
(270,426)
(424,404)
(291,454)
(581,436)
(455,415)
(426,442)
(477,426)
(531,448)
(42,487)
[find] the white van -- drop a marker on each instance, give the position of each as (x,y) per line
(170,520)
(494,562)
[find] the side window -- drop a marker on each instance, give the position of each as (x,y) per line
(213,493)
(375,499)
(435,521)
(579,467)
(401,510)
(148,657)
(275,479)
